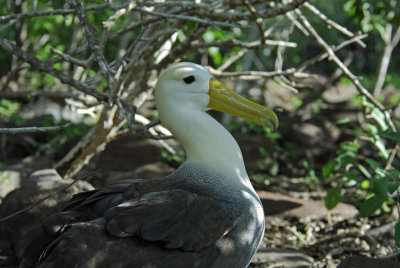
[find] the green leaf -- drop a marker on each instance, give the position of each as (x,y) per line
(347,158)
(181,36)
(342,121)
(313,176)
(380,145)
(392,186)
(350,178)
(333,197)
(375,166)
(392,173)
(330,167)
(8,107)
(371,205)
(397,234)
(381,30)
(372,163)
(366,103)
(347,153)
(215,55)
(380,186)
(264,152)
(392,136)
(349,146)
(297,102)
(209,36)
(372,129)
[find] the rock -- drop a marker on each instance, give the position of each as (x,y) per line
(128,153)
(281,205)
(339,93)
(279,96)
(366,262)
(315,136)
(37,186)
(9,181)
(275,257)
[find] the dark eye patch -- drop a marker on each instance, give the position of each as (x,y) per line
(189,79)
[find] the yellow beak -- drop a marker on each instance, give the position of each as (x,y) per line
(225,100)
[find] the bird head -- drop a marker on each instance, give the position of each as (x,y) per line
(191,86)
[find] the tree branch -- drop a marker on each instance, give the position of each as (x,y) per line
(346,71)
(273,11)
(95,47)
(43,67)
(33,129)
(251,75)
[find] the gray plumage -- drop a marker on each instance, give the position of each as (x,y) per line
(168,222)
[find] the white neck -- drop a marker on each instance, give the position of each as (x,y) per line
(208,142)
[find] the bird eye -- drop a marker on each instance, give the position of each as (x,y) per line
(189,79)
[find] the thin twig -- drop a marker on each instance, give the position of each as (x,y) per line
(109,5)
(258,20)
(45,67)
(346,71)
(269,12)
(232,59)
(249,45)
(187,18)
(69,58)
(325,54)
(96,48)
(33,129)
(392,156)
(251,75)
(335,25)
(66,11)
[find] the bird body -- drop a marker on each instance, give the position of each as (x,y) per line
(205,214)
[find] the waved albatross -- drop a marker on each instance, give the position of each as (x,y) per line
(205,214)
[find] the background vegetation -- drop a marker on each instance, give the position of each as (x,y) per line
(329,68)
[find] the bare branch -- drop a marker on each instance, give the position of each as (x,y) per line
(346,71)
(95,47)
(257,18)
(69,58)
(249,45)
(232,59)
(187,18)
(42,66)
(325,55)
(335,25)
(251,75)
(33,129)
(270,12)
(110,5)
(390,44)
(63,12)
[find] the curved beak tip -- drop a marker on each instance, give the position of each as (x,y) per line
(271,122)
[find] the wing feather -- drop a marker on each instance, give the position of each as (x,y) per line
(179,218)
